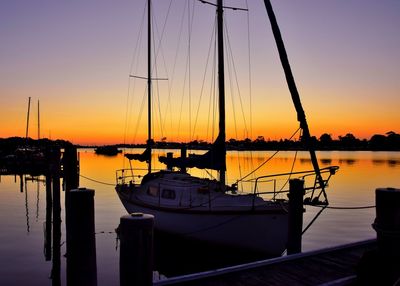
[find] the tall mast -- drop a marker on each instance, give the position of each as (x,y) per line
(301,117)
(221,83)
(27,119)
(149,81)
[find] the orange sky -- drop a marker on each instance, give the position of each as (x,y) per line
(76,58)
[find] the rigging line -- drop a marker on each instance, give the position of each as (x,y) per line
(211,93)
(292,168)
(204,78)
(153,78)
(249,71)
(157,53)
(171,82)
(183,89)
(314,219)
(225,7)
(262,164)
(190,30)
(229,49)
(156,89)
(229,68)
(210,174)
(214,96)
(346,208)
(96,181)
(231,64)
(144,97)
(128,110)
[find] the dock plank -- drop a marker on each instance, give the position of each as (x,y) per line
(312,268)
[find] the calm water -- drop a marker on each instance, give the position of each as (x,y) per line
(23,214)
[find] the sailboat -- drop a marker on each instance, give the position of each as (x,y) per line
(207,209)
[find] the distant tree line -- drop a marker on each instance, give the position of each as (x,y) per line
(388,142)
(378,142)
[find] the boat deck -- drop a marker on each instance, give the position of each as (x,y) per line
(332,266)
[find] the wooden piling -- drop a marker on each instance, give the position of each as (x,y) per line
(71,170)
(295,225)
(81,243)
(381,266)
(387,221)
(136,251)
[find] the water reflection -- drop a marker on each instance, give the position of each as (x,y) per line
(326,162)
(393,163)
(349,162)
(22,260)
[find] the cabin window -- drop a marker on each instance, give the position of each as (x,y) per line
(168,194)
(152,191)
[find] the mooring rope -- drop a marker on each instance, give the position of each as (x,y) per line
(96,181)
(345,208)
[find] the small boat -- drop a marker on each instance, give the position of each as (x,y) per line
(208,209)
(107,150)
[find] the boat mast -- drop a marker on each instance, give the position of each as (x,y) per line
(27,120)
(301,117)
(149,82)
(221,84)
(38,118)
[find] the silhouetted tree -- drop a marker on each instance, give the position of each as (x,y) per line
(349,141)
(325,141)
(377,142)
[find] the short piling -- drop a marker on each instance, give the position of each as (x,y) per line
(387,221)
(81,243)
(296,209)
(71,170)
(136,251)
(382,265)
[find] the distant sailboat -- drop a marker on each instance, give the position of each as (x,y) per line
(208,209)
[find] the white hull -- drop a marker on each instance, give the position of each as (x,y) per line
(263,230)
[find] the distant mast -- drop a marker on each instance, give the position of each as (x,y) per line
(27,119)
(38,118)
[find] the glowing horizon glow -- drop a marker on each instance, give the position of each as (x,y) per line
(75,58)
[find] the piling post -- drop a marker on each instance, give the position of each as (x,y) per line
(21,183)
(295,224)
(71,170)
(81,243)
(136,251)
(387,221)
(381,266)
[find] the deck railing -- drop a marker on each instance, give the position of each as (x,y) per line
(310,177)
(266,182)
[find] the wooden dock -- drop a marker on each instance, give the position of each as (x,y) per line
(330,266)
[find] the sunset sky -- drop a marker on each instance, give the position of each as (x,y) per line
(76,58)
